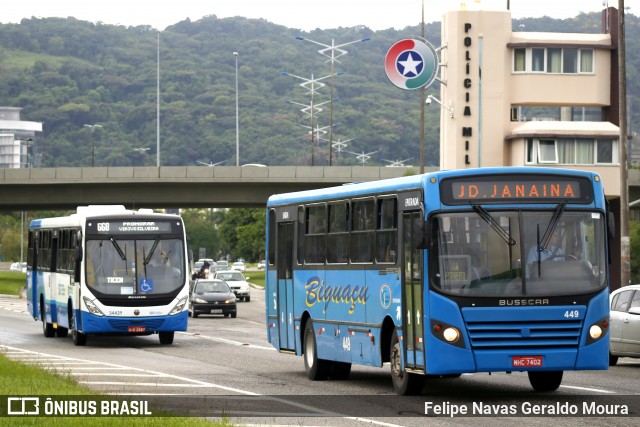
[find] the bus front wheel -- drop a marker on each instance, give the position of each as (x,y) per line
(78,337)
(317,369)
(405,383)
(545,380)
(166,338)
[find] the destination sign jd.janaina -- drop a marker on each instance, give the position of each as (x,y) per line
(497,189)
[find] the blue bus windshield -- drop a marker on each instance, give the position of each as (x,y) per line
(518,253)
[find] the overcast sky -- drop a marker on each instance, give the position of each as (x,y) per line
(305,15)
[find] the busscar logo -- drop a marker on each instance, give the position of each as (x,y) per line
(521,302)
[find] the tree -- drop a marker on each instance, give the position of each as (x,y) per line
(201,231)
(243,233)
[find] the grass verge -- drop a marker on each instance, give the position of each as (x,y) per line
(256,277)
(17,379)
(11,282)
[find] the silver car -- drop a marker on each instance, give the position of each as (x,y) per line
(237,282)
(624,323)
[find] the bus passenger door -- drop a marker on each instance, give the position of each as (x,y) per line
(412,327)
(284,264)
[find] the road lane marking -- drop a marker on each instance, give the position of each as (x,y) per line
(227,341)
(595,390)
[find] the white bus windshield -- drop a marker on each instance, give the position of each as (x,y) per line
(127,266)
(518,253)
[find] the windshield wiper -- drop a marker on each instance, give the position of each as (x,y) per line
(115,244)
(553,223)
(486,216)
(147,258)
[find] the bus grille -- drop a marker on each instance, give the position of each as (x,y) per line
(521,335)
(123,325)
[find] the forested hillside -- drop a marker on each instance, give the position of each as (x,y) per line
(67,73)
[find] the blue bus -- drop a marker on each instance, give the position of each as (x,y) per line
(105,270)
(452,272)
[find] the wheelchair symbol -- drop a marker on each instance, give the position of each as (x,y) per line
(146,285)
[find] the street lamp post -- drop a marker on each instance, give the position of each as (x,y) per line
(237,116)
(312,85)
(93,143)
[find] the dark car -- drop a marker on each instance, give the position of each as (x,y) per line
(212,296)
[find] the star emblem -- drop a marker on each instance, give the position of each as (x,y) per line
(410,64)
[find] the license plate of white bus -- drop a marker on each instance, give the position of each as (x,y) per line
(216,311)
(526,361)
(137,329)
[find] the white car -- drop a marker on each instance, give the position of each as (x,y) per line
(624,323)
(238,266)
(236,282)
(18,266)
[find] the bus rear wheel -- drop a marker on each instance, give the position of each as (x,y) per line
(317,369)
(545,380)
(405,383)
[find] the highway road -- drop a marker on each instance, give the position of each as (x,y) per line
(228,363)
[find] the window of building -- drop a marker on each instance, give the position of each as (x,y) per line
(553,60)
(537,59)
(519,60)
(572,151)
(586,60)
(569,60)
(604,151)
(547,152)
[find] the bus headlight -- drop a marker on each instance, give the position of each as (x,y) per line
(451,334)
(93,309)
(595,332)
(179,306)
(598,330)
(447,333)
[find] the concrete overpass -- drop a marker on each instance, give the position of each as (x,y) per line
(171,186)
(184,186)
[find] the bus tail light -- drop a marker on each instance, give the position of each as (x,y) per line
(93,309)
(179,306)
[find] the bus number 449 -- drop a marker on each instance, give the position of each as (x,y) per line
(572,314)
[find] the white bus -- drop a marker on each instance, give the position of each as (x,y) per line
(108,270)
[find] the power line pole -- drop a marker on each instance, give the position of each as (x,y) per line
(625,241)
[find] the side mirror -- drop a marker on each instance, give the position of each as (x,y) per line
(634,310)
